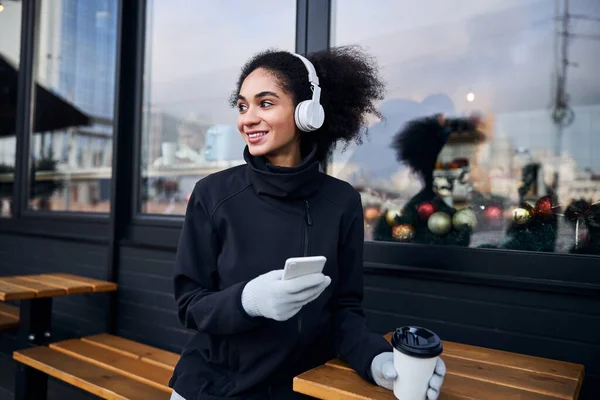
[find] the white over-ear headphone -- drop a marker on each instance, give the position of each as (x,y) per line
(309,114)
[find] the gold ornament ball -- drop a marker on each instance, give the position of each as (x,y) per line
(529,207)
(521,215)
(403,232)
(439,223)
(391,214)
(465,218)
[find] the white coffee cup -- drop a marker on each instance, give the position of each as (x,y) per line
(416,351)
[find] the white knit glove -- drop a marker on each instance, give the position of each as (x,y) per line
(271,297)
(384,374)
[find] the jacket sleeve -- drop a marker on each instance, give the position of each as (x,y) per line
(202,305)
(354,343)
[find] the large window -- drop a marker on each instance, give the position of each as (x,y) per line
(71,142)
(194,53)
(10,33)
(512,161)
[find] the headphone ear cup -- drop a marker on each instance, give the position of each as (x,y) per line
(307,120)
(301,116)
(318,117)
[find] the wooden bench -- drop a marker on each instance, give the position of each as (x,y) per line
(474,373)
(9,316)
(105,365)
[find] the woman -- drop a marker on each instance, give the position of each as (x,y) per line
(254,331)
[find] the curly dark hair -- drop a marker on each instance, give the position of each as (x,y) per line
(350,83)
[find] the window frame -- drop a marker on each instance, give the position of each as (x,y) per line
(125,225)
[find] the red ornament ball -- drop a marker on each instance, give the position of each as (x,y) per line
(545,208)
(425,210)
(493,212)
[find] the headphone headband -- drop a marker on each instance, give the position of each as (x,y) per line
(312,73)
(309,114)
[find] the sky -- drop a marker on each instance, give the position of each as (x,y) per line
(199,47)
(501,50)
(10,30)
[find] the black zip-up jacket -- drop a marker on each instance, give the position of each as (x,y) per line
(246,221)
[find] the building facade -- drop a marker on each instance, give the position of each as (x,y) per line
(106,198)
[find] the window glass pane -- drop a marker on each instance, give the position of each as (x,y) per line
(71,143)
(516,155)
(194,53)
(10,35)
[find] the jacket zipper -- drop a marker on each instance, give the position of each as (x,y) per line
(308,224)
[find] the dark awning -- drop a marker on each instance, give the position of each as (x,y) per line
(51,112)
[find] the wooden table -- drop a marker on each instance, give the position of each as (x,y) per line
(35,293)
(474,373)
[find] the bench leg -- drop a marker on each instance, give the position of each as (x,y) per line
(30,384)
(36,319)
(34,330)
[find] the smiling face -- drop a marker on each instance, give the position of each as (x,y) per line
(266,119)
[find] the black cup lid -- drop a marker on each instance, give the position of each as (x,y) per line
(418,342)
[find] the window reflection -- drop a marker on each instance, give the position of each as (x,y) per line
(71,143)
(498,105)
(195,51)
(10,34)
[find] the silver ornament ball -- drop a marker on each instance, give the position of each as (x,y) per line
(464,218)
(439,223)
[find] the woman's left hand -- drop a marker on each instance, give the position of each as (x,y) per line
(384,374)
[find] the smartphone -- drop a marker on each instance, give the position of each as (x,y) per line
(299,266)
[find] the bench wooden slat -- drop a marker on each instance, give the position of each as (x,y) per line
(458,387)
(519,361)
(71,287)
(99,286)
(556,386)
(11,311)
(10,292)
(40,289)
(9,316)
(136,350)
(473,373)
(327,382)
(8,322)
(530,381)
(99,381)
(133,368)
(332,383)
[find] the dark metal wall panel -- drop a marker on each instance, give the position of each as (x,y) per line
(146,296)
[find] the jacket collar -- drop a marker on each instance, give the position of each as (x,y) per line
(284,182)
